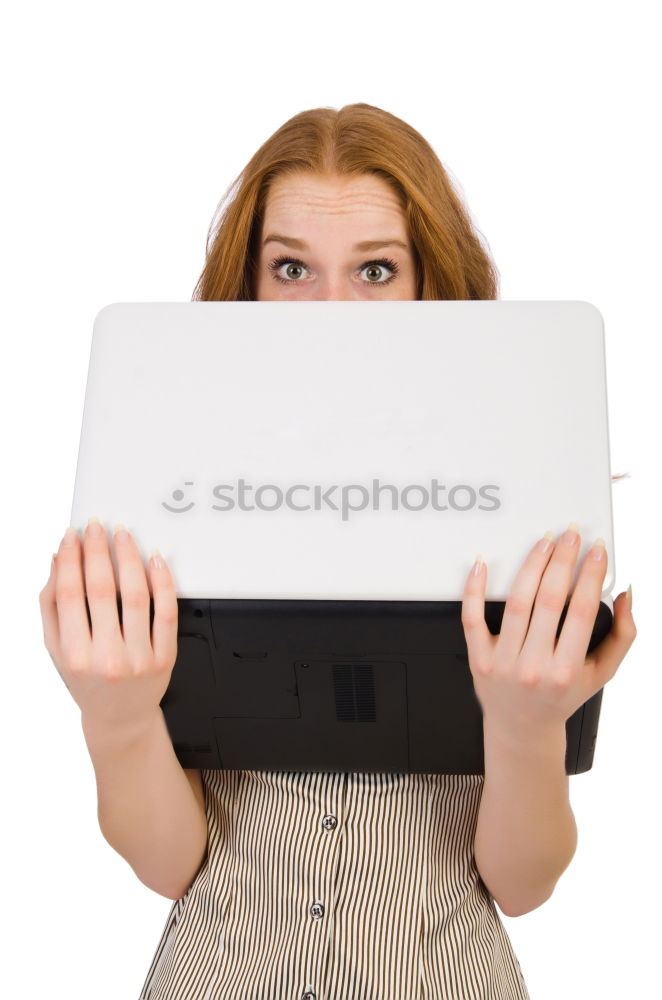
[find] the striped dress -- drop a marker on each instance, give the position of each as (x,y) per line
(337,886)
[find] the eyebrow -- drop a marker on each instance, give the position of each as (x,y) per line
(295,244)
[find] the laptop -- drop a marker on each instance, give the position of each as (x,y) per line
(319,477)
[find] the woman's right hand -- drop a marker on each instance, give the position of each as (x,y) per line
(116,675)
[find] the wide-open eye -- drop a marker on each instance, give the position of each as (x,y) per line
(375,269)
(293,270)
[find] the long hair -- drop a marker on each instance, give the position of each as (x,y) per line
(451,260)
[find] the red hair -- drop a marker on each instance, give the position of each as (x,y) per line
(451,261)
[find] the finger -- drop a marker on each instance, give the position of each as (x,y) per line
(134,593)
(582,611)
(605,659)
(101,588)
(50,622)
(70,596)
(519,603)
(479,639)
(48,609)
(552,596)
(166,612)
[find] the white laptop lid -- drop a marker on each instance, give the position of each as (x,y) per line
(484,421)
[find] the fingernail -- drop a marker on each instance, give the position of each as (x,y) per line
(598,548)
(121,534)
(94,527)
(70,537)
(571,534)
(629,597)
(156,559)
(478,565)
(546,541)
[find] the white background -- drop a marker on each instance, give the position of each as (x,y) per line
(123,125)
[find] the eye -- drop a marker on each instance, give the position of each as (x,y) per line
(378,266)
(293,270)
(296,266)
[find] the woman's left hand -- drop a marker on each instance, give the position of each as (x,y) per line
(523,682)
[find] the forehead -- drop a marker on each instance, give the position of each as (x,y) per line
(308,194)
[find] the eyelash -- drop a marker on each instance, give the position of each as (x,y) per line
(276,264)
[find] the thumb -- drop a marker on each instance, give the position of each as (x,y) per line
(607,656)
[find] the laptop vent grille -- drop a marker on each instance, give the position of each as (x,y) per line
(354,687)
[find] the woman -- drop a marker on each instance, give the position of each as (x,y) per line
(335,885)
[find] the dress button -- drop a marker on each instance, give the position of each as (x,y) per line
(317,910)
(329,822)
(308,995)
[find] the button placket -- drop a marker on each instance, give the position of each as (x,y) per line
(329,822)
